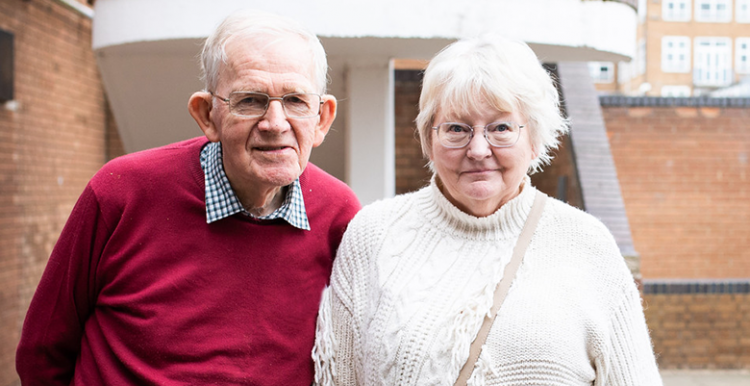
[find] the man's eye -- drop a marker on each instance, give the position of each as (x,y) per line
(294,99)
(250,100)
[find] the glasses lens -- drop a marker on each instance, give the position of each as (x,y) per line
(248,104)
(453,134)
(301,105)
(502,134)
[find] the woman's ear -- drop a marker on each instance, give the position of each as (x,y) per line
(199,106)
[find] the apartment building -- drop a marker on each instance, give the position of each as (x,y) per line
(684,48)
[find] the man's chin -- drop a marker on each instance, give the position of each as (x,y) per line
(281,178)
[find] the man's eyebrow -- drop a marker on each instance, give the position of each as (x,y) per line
(288,89)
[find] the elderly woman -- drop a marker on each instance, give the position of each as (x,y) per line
(416,275)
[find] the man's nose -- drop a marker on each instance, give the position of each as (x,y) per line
(275,117)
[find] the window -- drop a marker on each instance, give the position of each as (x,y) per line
(675,54)
(675,10)
(6,66)
(713,11)
(675,91)
(743,11)
(742,56)
(602,72)
(712,65)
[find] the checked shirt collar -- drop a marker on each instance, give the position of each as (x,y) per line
(222,202)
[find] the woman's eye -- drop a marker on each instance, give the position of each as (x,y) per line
(456,129)
(499,128)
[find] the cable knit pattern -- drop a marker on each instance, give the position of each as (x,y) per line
(415,275)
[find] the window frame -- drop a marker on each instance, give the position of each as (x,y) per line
(739,68)
(699,72)
(671,15)
(739,16)
(674,66)
(596,73)
(713,15)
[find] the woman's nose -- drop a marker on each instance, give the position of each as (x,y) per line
(478,147)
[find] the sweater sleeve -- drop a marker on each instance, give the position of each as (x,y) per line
(336,341)
(52,331)
(628,358)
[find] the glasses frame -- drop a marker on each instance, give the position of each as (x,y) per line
(471,135)
(268,103)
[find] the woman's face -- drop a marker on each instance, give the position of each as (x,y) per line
(479,178)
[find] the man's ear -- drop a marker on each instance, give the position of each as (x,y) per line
(327,115)
(199,106)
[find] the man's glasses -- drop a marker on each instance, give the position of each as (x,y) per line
(255,104)
(498,134)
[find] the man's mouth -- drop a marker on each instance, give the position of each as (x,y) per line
(270,148)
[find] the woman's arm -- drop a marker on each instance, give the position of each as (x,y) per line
(628,358)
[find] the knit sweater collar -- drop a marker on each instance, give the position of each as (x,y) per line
(506,222)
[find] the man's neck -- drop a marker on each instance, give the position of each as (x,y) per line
(263,203)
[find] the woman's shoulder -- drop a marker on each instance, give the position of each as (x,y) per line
(574,221)
(385,211)
(580,236)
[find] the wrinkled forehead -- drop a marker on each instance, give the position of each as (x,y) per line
(277,51)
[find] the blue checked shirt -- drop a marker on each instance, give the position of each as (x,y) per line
(222,202)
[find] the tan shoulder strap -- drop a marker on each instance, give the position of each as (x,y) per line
(502,288)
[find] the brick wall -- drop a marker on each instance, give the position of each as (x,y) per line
(411,172)
(49,148)
(685,180)
(700,330)
(559,179)
(683,171)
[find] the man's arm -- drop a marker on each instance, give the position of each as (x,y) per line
(66,295)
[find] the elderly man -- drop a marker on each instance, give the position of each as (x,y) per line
(203,262)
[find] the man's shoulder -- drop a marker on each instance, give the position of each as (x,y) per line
(326,196)
(315,180)
(152,166)
(166,154)
(163,158)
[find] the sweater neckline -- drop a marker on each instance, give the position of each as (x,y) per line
(504,223)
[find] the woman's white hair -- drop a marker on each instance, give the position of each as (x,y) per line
(505,74)
(255,25)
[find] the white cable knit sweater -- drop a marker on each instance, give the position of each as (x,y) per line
(414,277)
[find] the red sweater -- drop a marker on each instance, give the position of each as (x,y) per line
(139,290)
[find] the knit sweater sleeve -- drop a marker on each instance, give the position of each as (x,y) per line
(628,357)
(339,319)
(624,356)
(66,295)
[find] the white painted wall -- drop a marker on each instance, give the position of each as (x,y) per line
(371,158)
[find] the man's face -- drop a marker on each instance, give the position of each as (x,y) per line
(270,151)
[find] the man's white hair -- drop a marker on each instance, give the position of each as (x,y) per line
(258,25)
